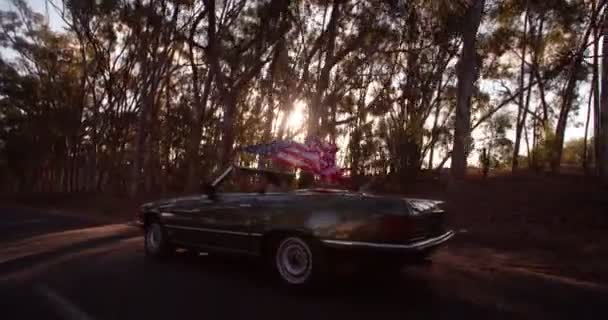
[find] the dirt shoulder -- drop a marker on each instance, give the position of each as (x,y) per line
(554,225)
(97,207)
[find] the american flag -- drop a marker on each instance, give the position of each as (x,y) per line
(314,155)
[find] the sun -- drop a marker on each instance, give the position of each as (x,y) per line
(295,120)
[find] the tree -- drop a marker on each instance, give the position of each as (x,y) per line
(522,108)
(154,96)
(574,74)
(498,146)
(467,74)
(603,163)
(574,154)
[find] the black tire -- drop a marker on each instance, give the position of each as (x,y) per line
(298,262)
(156,242)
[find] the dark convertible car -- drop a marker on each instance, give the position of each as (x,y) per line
(299,232)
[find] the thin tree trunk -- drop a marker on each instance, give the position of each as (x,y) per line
(138,153)
(230,113)
(603,163)
(585,149)
(316,109)
(533,162)
(75,170)
(521,113)
(194,139)
(66,167)
(268,87)
(467,73)
(151,158)
(562,123)
(165,146)
(596,96)
(528,150)
(543,106)
(526,111)
(141,145)
(568,94)
(198,110)
(435,123)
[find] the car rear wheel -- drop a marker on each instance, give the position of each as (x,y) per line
(298,262)
(156,243)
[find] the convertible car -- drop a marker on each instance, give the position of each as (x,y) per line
(300,233)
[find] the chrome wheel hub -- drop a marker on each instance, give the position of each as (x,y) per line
(153,237)
(294,260)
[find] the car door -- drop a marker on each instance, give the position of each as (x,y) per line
(181,218)
(226,224)
(276,211)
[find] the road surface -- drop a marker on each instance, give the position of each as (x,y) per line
(59,267)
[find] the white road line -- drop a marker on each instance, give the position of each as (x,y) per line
(63,306)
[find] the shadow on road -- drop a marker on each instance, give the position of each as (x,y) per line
(350,296)
(21,262)
(100,269)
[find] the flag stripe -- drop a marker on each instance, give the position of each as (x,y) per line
(314,155)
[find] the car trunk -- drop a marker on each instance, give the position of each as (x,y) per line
(416,220)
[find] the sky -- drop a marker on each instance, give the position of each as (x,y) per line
(576,125)
(40,7)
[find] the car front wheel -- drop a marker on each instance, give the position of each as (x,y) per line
(156,242)
(298,262)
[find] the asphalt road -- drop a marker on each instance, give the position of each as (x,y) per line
(57,267)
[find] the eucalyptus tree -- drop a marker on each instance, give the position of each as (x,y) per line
(603,137)
(40,100)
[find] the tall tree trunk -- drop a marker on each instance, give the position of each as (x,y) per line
(526,111)
(139,150)
(198,109)
(596,95)
(66,165)
(521,113)
(355,139)
(316,109)
(230,113)
(533,162)
(156,71)
(228,93)
(543,107)
(268,88)
(586,138)
(467,74)
(568,94)
(152,157)
(562,122)
(196,130)
(165,146)
(528,150)
(142,145)
(603,163)
(435,124)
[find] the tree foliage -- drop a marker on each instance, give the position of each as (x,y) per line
(145,96)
